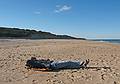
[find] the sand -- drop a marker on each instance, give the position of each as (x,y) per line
(14,53)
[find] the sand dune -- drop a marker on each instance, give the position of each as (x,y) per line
(14,53)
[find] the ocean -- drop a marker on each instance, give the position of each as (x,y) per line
(115,41)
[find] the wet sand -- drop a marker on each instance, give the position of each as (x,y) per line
(14,53)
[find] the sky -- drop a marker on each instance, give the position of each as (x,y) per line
(80,18)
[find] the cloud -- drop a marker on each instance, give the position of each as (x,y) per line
(58,6)
(37,12)
(62,8)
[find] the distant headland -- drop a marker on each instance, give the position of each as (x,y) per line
(17,33)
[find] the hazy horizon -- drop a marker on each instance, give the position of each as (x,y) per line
(91,19)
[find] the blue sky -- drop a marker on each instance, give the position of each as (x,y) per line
(80,18)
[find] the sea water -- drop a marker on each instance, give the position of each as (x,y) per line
(116,41)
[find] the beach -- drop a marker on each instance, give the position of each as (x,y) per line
(15,52)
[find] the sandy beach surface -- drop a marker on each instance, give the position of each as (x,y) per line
(14,53)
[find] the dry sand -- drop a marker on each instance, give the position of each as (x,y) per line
(14,53)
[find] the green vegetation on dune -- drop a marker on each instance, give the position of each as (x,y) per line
(30,34)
